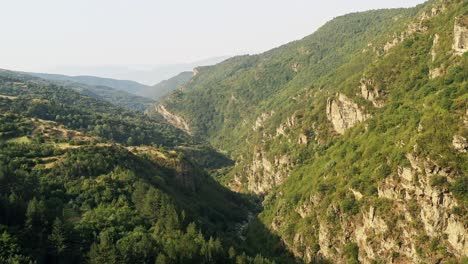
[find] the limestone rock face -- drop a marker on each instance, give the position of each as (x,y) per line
(434,45)
(437,72)
(423,210)
(434,204)
(344,113)
(416,27)
(460,36)
(370,92)
(290,122)
(264,174)
(460,143)
(303,140)
(173,119)
(261,120)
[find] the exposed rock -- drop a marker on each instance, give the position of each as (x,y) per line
(261,120)
(434,46)
(460,143)
(325,242)
(281,130)
(263,174)
(416,27)
(357,195)
(389,45)
(371,226)
(434,204)
(344,113)
(290,122)
(173,119)
(233,98)
(437,72)
(465,119)
(420,128)
(370,92)
(295,67)
(303,140)
(460,36)
(307,206)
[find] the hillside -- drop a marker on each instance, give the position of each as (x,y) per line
(111,95)
(355,136)
(167,86)
(122,85)
(84,181)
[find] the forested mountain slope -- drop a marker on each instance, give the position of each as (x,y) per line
(166,87)
(122,85)
(120,93)
(356,135)
(84,181)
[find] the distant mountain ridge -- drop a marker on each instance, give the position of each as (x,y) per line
(144,74)
(100,88)
(167,86)
(123,85)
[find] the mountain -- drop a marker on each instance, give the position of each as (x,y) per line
(355,136)
(347,146)
(84,181)
(167,86)
(112,95)
(146,74)
(122,85)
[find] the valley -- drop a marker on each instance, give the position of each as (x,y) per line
(347,146)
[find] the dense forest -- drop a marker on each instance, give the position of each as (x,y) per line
(355,136)
(85,181)
(347,146)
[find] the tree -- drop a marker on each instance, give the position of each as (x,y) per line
(161,259)
(58,238)
(10,252)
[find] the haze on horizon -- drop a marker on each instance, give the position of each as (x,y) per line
(51,35)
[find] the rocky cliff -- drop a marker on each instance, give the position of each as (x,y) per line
(358,149)
(460,35)
(173,119)
(344,113)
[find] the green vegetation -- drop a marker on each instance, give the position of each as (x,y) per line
(78,112)
(256,108)
(164,88)
(118,92)
(79,192)
(82,180)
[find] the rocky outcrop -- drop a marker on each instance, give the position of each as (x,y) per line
(261,120)
(417,27)
(418,209)
(460,36)
(460,144)
(295,67)
(344,113)
(434,204)
(263,174)
(370,92)
(290,122)
(303,139)
(173,119)
(434,46)
(437,72)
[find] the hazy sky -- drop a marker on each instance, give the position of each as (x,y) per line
(39,34)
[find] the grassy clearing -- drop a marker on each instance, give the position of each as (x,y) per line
(20,140)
